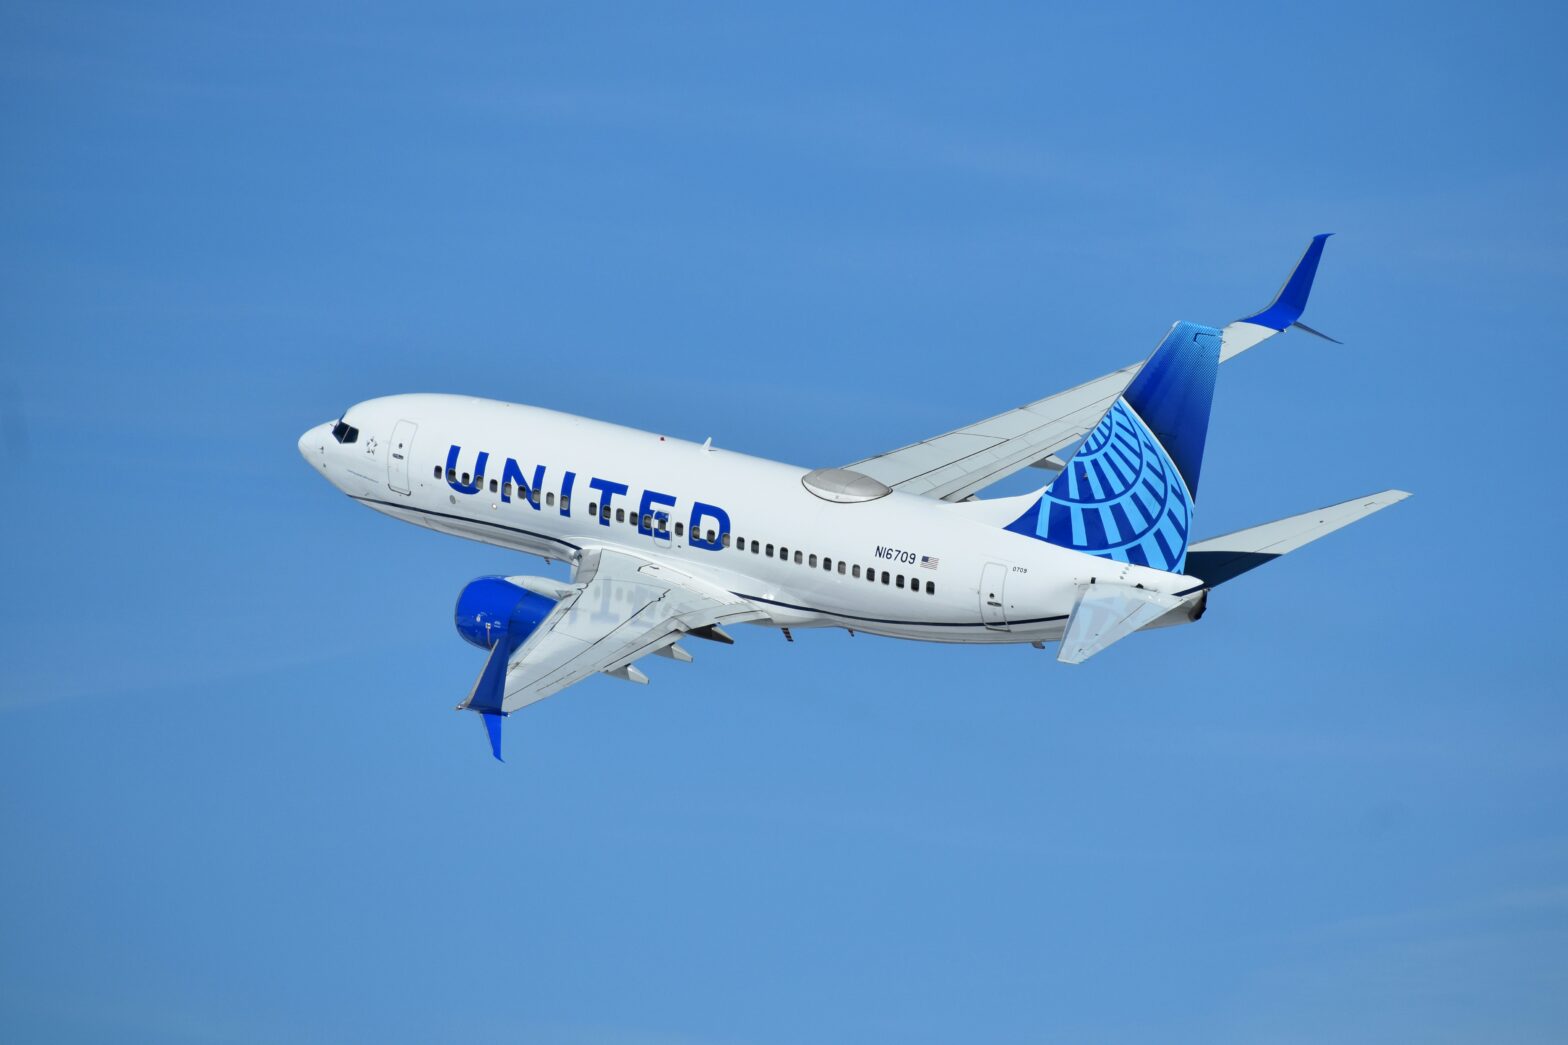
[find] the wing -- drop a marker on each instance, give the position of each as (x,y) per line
(957,464)
(618,608)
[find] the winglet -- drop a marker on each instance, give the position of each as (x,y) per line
(1291,301)
(493,728)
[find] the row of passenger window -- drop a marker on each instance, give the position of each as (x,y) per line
(659,524)
(505,489)
(829,565)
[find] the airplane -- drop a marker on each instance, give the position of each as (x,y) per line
(670,539)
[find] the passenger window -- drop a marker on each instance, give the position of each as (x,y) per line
(827,564)
(724,539)
(533,498)
(451,475)
(647,520)
(755,548)
(784,553)
(620,515)
(494,485)
(930,587)
(812,562)
(884,577)
(900,580)
(593,508)
(841,569)
(465,478)
(680,529)
(797,557)
(549,499)
(566,503)
(506,490)
(855,573)
(712,537)
(770,551)
(438,471)
(871,574)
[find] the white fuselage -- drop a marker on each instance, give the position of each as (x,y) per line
(899,565)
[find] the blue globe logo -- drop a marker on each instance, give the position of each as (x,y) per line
(1120,497)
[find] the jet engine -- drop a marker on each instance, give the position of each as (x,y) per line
(498,614)
(491,608)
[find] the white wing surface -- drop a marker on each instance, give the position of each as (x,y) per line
(619,607)
(957,464)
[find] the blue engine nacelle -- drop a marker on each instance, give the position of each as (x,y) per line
(492,607)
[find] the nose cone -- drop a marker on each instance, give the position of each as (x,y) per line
(313,445)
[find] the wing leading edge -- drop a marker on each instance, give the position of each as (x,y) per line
(958,464)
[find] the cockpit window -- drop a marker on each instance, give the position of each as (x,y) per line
(344,432)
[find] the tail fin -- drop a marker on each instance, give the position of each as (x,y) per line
(1127,493)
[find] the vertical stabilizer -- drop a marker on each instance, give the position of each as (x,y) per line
(1128,491)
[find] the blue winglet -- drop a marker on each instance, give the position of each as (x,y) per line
(1291,301)
(493,727)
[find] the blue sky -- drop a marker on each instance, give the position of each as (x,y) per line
(237,804)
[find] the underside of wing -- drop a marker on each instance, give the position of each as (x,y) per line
(619,607)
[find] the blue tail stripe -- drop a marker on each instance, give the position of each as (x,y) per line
(1165,548)
(1124,526)
(1094,529)
(1105,482)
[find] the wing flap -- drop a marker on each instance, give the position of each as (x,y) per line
(621,607)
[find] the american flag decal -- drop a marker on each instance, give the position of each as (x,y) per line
(930,562)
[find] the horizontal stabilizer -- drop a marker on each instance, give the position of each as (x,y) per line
(1220,559)
(1105,613)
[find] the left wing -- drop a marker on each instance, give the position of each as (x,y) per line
(957,464)
(619,607)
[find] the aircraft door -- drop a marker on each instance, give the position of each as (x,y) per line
(397,455)
(993,604)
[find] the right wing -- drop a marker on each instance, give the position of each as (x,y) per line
(957,464)
(618,608)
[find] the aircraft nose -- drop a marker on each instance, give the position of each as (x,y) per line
(313,444)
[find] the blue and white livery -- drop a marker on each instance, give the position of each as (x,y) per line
(670,540)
